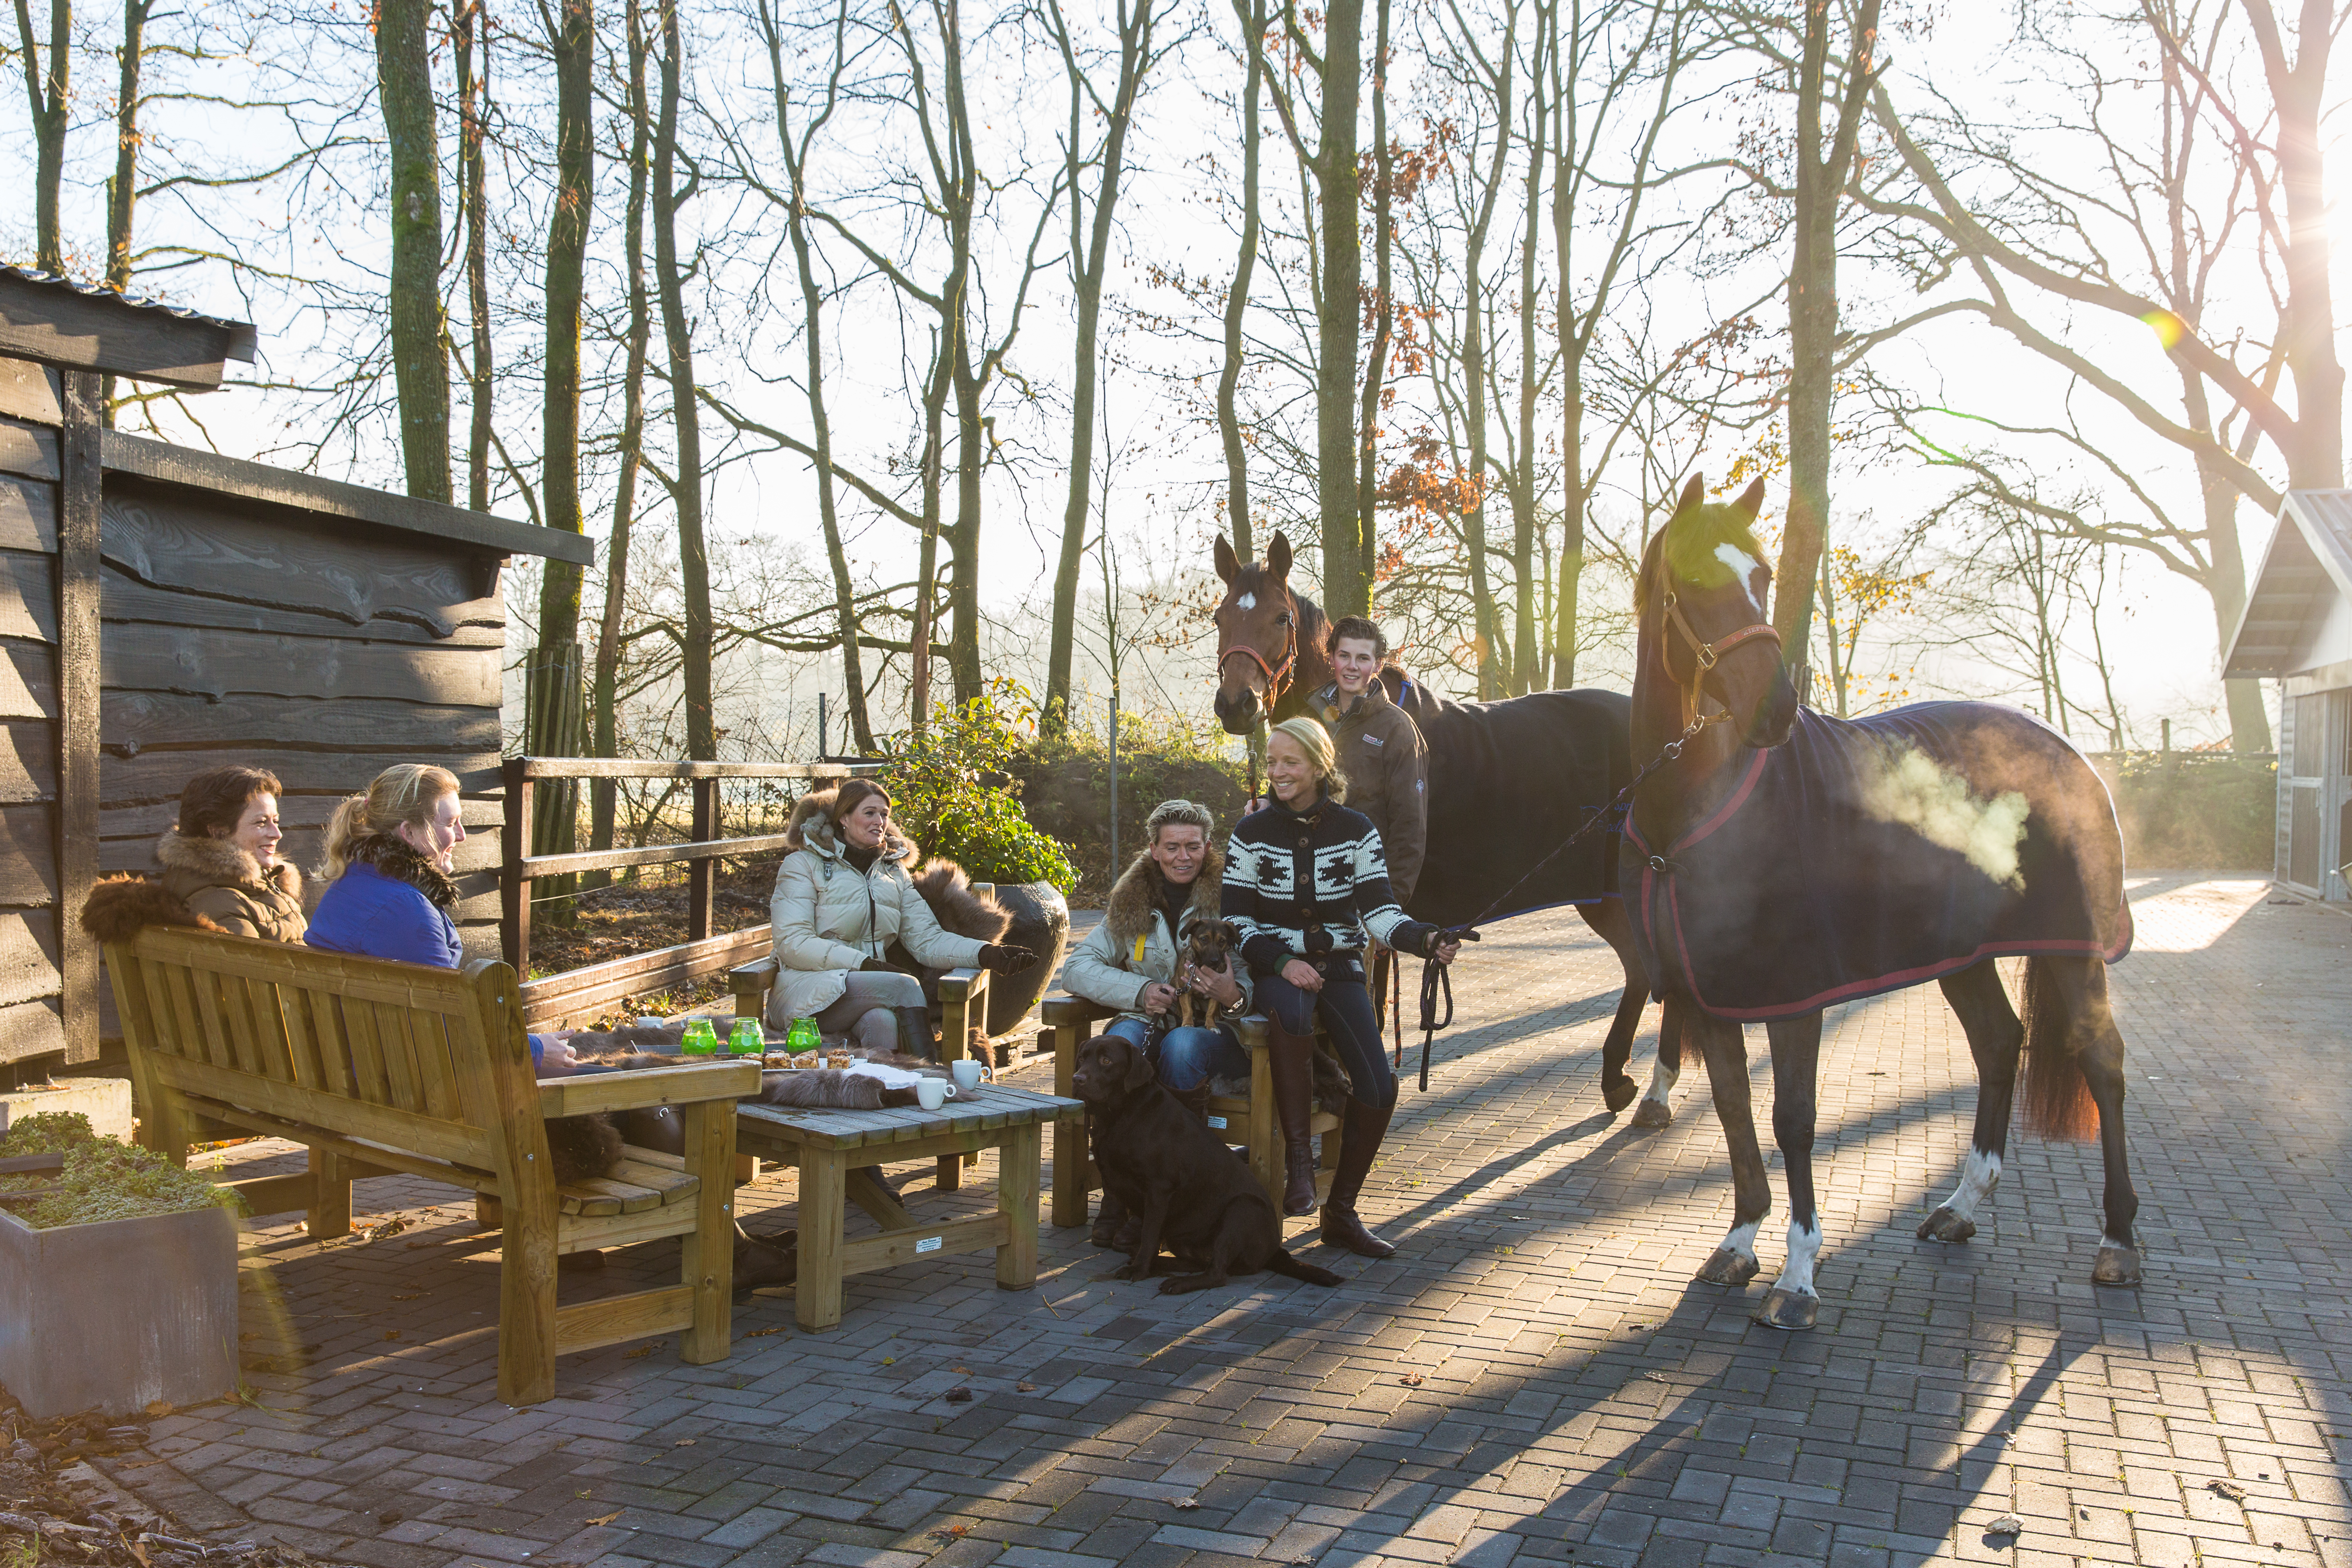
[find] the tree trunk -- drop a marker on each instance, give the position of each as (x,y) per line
(1089,257)
(47,94)
(1813,309)
(2225,581)
(122,189)
(1255,21)
(1526,666)
(471,27)
(420,369)
(927,565)
(1346,590)
(2307,321)
(963,537)
(686,488)
(606,741)
(1376,362)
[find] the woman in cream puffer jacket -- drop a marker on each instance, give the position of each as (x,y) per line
(842,895)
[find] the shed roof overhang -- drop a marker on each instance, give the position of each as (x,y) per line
(55,322)
(2307,564)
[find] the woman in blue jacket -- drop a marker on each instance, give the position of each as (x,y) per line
(389,853)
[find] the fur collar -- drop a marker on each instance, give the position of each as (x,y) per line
(1137,897)
(218,861)
(120,908)
(811,828)
(391,854)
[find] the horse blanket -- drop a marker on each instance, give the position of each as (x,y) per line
(1863,857)
(1508,783)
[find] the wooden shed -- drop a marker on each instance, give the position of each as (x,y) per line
(2297,628)
(163,610)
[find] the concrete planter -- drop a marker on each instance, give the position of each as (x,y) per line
(116,1315)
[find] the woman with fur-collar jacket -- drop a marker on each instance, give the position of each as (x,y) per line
(221,861)
(843,896)
(1130,961)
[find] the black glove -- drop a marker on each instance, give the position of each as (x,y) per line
(878,966)
(998,958)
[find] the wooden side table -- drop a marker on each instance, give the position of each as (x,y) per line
(833,1147)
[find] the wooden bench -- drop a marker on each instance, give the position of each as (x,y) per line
(1249,1120)
(378,1068)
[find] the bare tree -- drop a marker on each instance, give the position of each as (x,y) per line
(685,484)
(1255,21)
(46,93)
(405,84)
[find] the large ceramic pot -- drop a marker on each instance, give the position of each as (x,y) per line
(1041,923)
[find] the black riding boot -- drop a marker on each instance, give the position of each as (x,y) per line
(915,1037)
(1292,1060)
(1360,1130)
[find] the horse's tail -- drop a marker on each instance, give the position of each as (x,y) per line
(2051,1092)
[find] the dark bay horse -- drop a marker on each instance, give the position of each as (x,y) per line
(1508,782)
(1787,861)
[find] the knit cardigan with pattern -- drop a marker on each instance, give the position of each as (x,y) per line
(1309,884)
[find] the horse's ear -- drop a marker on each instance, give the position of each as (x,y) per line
(1752,500)
(1692,493)
(1278,557)
(1229,565)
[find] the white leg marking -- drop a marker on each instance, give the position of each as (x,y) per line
(1741,1239)
(1804,1246)
(1663,1079)
(1978,1179)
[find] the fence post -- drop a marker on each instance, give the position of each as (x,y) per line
(702,875)
(514,888)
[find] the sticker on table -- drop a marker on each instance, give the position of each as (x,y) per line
(930,1244)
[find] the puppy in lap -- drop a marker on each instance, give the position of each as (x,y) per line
(1194,1198)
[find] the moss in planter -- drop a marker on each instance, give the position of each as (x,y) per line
(103,1179)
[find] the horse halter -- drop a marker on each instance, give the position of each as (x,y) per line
(1275,677)
(1707,655)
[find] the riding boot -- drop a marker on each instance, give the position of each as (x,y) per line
(1292,1060)
(1360,1130)
(1195,1100)
(915,1037)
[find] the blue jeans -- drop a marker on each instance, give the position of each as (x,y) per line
(1186,1058)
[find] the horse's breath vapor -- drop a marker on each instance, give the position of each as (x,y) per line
(1916,792)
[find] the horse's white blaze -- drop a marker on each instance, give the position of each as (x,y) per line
(1804,1246)
(1246,601)
(1978,1179)
(1741,1239)
(1743,568)
(1661,1080)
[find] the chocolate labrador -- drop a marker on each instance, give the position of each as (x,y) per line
(1194,1197)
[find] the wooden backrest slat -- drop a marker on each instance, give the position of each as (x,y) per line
(399,1058)
(367,1052)
(437,1065)
(253,1012)
(293,1009)
(325,1016)
(219,1048)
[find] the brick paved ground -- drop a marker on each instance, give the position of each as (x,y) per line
(1534,1379)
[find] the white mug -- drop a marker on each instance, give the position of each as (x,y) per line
(930,1093)
(967,1074)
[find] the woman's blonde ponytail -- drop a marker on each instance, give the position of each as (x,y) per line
(405,791)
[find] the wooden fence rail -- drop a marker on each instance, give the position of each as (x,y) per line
(557,999)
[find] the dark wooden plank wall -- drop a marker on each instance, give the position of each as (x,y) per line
(322,649)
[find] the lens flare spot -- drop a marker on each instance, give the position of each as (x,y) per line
(2168,328)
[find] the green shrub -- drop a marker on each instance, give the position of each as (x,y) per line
(102,1179)
(944,804)
(1065,785)
(2194,811)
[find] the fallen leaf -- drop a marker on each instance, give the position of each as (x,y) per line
(587,1493)
(412,1296)
(889,1361)
(2225,1489)
(763,1333)
(958,1395)
(139,1551)
(1655,1376)
(1187,1502)
(606,1518)
(390,1334)
(2007,1524)
(683,1443)
(962,1370)
(1410,1380)
(950,1531)
(1025,1388)
(641,1352)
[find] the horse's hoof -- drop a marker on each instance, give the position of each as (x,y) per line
(1653,1113)
(1728,1267)
(1789,1310)
(1945,1226)
(2117,1264)
(1618,1092)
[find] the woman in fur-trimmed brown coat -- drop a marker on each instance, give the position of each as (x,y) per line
(222,862)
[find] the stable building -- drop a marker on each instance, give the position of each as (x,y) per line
(2297,629)
(165,610)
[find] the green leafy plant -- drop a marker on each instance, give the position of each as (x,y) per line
(103,1179)
(947,791)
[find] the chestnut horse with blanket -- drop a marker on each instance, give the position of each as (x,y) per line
(1508,783)
(1784,862)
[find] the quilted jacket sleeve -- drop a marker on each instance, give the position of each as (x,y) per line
(1097,970)
(793,920)
(918,929)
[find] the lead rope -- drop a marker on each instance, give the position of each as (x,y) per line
(1434,979)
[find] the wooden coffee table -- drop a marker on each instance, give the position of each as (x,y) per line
(832,1148)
